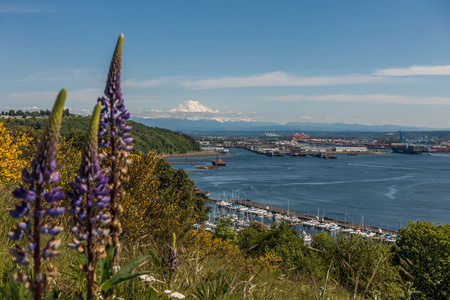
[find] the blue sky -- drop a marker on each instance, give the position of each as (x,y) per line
(367,62)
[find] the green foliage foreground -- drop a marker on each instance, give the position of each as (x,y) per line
(270,263)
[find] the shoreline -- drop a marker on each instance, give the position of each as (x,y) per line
(208,153)
(212,153)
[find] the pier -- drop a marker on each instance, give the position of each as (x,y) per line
(305,217)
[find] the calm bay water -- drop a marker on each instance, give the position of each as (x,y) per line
(380,190)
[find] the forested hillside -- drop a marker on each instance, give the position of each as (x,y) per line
(145,138)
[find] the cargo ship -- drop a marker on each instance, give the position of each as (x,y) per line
(407,149)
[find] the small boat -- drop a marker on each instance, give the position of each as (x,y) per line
(307,238)
(347,230)
(219,162)
(277,216)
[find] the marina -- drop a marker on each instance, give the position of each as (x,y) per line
(386,191)
(241,212)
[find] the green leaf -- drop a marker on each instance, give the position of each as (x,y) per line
(53,295)
(13,289)
(106,265)
(4,293)
(72,275)
(82,258)
(108,285)
(155,258)
(124,273)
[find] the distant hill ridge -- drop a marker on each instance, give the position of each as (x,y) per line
(145,138)
(186,125)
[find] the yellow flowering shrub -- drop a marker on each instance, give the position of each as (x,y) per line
(141,192)
(269,262)
(68,159)
(208,246)
(11,162)
(149,209)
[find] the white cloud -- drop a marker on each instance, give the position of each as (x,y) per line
(86,98)
(278,79)
(415,71)
(261,80)
(30,108)
(163,81)
(371,98)
(306,118)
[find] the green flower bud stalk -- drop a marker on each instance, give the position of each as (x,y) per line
(90,154)
(49,141)
(31,209)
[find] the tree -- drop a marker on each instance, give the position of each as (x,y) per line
(12,112)
(77,137)
(281,240)
(359,264)
(426,249)
(224,230)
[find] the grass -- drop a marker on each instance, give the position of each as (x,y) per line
(214,276)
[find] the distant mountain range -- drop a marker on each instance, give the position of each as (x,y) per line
(208,126)
(194,118)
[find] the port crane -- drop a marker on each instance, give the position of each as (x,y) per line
(299,136)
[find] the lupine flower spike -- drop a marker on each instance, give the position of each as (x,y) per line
(172,262)
(89,202)
(115,139)
(32,208)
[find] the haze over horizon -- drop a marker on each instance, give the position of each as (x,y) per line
(371,63)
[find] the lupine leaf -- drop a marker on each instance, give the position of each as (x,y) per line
(53,295)
(106,265)
(13,290)
(108,285)
(155,258)
(4,293)
(124,273)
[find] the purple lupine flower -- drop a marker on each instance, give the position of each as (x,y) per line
(54,195)
(89,198)
(30,200)
(20,211)
(15,233)
(112,130)
(20,256)
(172,261)
(54,210)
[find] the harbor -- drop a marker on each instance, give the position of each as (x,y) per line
(386,191)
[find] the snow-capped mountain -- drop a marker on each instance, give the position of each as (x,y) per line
(192,106)
(194,110)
